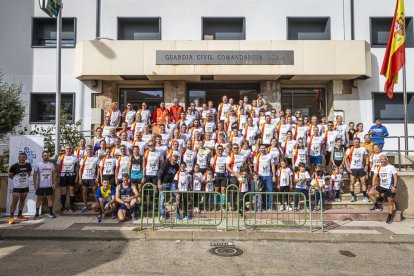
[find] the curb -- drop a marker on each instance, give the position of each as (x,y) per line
(148,235)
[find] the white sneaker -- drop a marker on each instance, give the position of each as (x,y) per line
(281,208)
(290,208)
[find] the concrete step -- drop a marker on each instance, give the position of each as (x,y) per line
(356,214)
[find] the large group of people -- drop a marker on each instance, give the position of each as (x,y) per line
(205,148)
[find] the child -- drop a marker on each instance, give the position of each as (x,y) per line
(337,183)
(182,181)
(284,184)
(318,183)
(209,188)
(302,178)
(243,187)
(257,187)
(197,180)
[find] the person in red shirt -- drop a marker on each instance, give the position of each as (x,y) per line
(176,110)
(159,114)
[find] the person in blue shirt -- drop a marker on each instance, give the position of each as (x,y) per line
(378,132)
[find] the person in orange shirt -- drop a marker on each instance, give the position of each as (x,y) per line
(159,114)
(176,110)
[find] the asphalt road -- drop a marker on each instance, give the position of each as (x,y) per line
(42,257)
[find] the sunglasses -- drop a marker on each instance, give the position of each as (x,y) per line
(150,146)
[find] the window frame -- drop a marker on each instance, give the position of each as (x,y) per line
(390,121)
(408,44)
(243,18)
(31,121)
(131,18)
(49,18)
(328,22)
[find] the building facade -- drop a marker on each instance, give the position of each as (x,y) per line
(320,56)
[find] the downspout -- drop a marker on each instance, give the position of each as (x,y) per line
(352,21)
(98,18)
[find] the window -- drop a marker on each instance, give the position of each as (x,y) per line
(139,28)
(44,32)
(392,111)
(42,107)
(380,30)
(310,101)
(299,28)
(224,29)
(152,97)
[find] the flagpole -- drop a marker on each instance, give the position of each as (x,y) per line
(405,112)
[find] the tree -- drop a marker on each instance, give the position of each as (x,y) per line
(12,107)
(69,133)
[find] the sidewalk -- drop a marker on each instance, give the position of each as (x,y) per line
(87,228)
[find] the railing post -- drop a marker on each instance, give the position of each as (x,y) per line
(399,154)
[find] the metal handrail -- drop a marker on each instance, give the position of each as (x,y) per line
(406,151)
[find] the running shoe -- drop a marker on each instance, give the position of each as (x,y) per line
(113,215)
(36,217)
(85,209)
(51,215)
(11,220)
(296,210)
(188,217)
(177,217)
(289,208)
(99,218)
(353,198)
(282,208)
(366,199)
(22,217)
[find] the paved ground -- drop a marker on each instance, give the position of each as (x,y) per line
(194,258)
(89,223)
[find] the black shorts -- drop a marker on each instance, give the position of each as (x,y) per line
(151,179)
(220,180)
(338,162)
(67,180)
(288,161)
(21,190)
(136,181)
(233,180)
(48,191)
(358,172)
(88,182)
(388,192)
(123,207)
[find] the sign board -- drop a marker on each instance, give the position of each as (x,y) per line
(224,57)
(32,145)
(51,7)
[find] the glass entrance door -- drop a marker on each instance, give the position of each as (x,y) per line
(136,96)
(215,91)
(311,101)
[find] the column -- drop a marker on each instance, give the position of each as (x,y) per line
(175,89)
(272,93)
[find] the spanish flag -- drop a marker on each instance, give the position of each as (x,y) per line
(394,58)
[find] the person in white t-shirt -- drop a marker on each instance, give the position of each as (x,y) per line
(302,179)
(44,179)
(88,175)
(386,175)
(284,184)
(114,115)
(356,160)
(264,165)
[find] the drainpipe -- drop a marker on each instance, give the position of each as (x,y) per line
(98,18)
(352,21)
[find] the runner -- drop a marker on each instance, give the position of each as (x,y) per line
(144,113)
(203,157)
(267,130)
(135,169)
(218,164)
(80,151)
(107,167)
(182,181)
(44,180)
(338,154)
(68,172)
(356,160)
(126,196)
(342,129)
(122,163)
(378,133)
(316,148)
(288,147)
(264,166)
(19,173)
(189,156)
(300,155)
(330,135)
(153,161)
(114,115)
(88,175)
(105,197)
(129,115)
(386,175)
(97,140)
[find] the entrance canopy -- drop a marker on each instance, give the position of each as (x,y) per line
(243,60)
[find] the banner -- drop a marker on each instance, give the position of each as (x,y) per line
(32,145)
